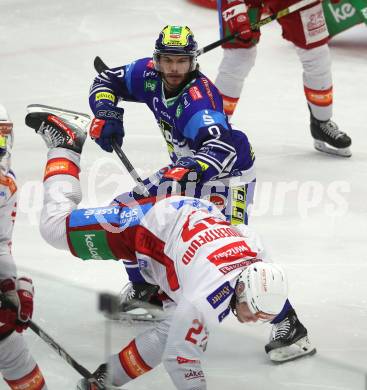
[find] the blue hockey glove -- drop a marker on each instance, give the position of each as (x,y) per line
(186,169)
(107,125)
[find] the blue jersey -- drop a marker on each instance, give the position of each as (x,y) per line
(192,123)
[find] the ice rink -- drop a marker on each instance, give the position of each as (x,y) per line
(310,208)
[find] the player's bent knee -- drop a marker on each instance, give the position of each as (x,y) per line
(53,230)
(315,61)
(238,62)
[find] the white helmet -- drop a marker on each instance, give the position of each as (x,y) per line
(264,287)
(6,139)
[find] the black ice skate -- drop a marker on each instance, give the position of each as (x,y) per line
(329,139)
(58,127)
(289,340)
(138,301)
(98,382)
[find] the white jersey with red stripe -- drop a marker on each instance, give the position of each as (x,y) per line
(203,254)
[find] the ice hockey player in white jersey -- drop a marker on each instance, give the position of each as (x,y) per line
(17,366)
(203,265)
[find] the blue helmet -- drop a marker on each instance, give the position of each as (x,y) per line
(176,40)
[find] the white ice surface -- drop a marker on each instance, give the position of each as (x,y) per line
(311,208)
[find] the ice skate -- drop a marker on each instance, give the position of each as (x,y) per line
(78,118)
(329,139)
(58,127)
(289,340)
(139,302)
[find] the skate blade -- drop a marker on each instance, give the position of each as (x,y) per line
(77,118)
(301,348)
(325,148)
(138,315)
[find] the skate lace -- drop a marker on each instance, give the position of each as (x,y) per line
(53,137)
(127,294)
(101,375)
(331,129)
(101,378)
(281,330)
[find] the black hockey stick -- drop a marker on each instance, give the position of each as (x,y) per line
(122,156)
(100,67)
(260,23)
(53,344)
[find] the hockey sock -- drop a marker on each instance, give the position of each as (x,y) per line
(32,381)
(229,104)
(133,272)
(320,102)
(280,317)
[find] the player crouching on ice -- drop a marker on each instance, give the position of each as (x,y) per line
(204,266)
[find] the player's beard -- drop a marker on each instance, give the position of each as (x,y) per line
(174,85)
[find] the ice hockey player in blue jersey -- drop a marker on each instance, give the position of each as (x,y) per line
(188,108)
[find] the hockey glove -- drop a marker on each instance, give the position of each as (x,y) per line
(236,17)
(186,169)
(107,125)
(20,293)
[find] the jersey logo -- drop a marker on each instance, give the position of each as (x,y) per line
(195,93)
(182,360)
(150,64)
(231,252)
(218,296)
(224,314)
(179,110)
(208,91)
(150,85)
(208,120)
(95,216)
(218,199)
(91,244)
(232,266)
(105,96)
(131,216)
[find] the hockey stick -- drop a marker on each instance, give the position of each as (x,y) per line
(255,26)
(54,345)
(100,67)
(122,156)
(99,64)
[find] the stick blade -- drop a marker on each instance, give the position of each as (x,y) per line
(99,65)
